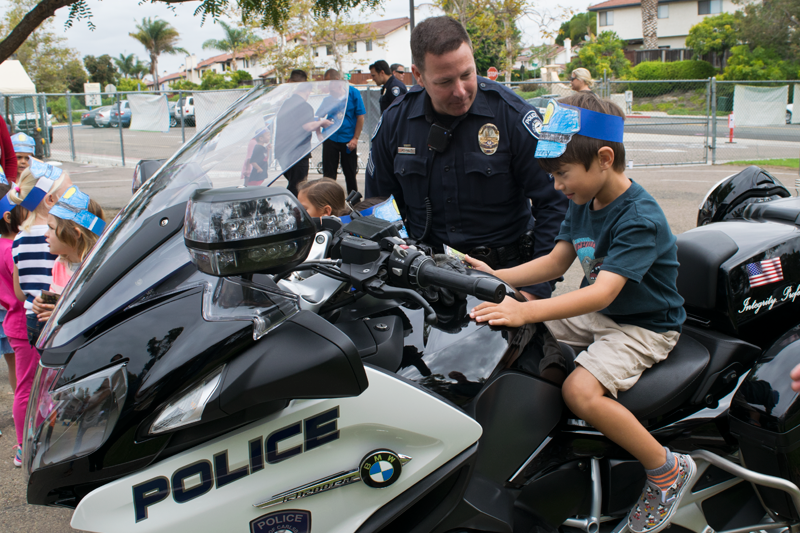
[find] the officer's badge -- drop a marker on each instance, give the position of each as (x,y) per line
(532,123)
(396,91)
(489,138)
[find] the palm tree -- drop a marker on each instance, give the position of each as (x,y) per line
(158,37)
(139,69)
(650,24)
(125,64)
(235,41)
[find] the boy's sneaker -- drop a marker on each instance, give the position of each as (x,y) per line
(18,456)
(654,509)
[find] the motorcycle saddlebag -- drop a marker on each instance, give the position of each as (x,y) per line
(728,198)
(765,417)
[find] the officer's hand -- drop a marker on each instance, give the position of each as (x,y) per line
(479,265)
(509,313)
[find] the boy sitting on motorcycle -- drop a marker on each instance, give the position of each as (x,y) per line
(628,314)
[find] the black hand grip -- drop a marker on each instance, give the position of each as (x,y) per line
(487,289)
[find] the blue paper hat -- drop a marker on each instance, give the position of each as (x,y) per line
(73,205)
(562,121)
(3,178)
(46,175)
(23,144)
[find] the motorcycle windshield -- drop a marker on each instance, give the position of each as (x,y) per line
(252,143)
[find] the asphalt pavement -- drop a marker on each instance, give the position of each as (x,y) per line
(679,190)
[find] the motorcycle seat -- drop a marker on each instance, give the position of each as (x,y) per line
(669,384)
(666,385)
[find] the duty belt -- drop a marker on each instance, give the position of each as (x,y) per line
(497,257)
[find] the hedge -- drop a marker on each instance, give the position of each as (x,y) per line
(676,70)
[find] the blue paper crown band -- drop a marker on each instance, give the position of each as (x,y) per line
(6,205)
(562,121)
(46,176)
(73,205)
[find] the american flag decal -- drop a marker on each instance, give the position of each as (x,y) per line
(764,272)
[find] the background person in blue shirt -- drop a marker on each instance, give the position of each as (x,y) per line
(343,145)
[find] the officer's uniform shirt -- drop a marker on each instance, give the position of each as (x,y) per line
(390,91)
(481,183)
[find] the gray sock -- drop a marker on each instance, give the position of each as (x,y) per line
(661,476)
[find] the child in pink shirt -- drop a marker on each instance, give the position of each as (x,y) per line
(14,323)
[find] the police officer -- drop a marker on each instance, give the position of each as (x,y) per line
(392,87)
(457,154)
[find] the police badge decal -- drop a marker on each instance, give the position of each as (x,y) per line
(395,91)
(488,138)
(290,521)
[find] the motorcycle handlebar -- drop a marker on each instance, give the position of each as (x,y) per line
(487,289)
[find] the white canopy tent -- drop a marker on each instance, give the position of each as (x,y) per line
(14,79)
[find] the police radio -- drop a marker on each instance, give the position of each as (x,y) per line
(438,138)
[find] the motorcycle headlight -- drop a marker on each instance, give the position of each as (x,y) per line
(74,420)
(187,407)
(228,231)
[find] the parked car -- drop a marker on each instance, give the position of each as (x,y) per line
(188,112)
(23,117)
(123,116)
(92,118)
(789,108)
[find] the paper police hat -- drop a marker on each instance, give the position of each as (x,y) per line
(23,144)
(562,121)
(260,132)
(46,175)
(3,178)
(74,205)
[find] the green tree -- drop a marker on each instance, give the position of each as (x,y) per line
(213,81)
(44,53)
(266,13)
(758,64)
(101,69)
(606,53)
(131,66)
(341,34)
(131,84)
(234,41)
(580,26)
(184,85)
(75,75)
(715,34)
(772,25)
(158,37)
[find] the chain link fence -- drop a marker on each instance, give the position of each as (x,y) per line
(668,122)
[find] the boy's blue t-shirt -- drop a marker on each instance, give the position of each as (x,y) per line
(630,237)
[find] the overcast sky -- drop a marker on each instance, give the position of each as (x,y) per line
(114,19)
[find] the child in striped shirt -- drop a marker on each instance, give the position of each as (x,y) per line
(39,188)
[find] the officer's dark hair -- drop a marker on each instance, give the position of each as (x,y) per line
(437,36)
(396,66)
(297,76)
(584,149)
(381,66)
(332,74)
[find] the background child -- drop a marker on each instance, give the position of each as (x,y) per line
(38,190)
(259,159)
(629,313)
(24,147)
(13,312)
(74,225)
(323,197)
(14,323)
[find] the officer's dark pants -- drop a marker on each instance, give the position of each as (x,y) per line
(296,174)
(331,153)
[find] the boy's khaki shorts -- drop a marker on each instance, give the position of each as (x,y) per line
(615,354)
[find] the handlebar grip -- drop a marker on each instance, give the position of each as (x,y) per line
(487,289)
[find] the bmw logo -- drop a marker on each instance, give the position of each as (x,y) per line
(380,468)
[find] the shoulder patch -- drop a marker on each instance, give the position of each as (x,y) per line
(395,90)
(532,123)
(377,127)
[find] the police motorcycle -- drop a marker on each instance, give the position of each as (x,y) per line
(222,362)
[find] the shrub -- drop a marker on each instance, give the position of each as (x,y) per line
(677,70)
(758,64)
(605,53)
